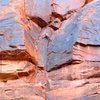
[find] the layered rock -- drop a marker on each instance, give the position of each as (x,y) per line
(15,69)
(71,93)
(81,31)
(49,50)
(86,49)
(92,97)
(21,80)
(12,46)
(47,43)
(84,68)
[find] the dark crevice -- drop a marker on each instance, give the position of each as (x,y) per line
(42,23)
(94,76)
(16,55)
(67,52)
(70,62)
(56,15)
(76,62)
(88,1)
(60,66)
(4,77)
(12,46)
(84,45)
(52,52)
(1,34)
(40,68)
(39,21)
(53,27)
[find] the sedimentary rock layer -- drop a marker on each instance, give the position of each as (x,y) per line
(49,50)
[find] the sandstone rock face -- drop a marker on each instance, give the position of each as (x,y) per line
(49,50)
(11,33)
(48,43)
(70,93)
(93,97)
(77,31)
(89,25)
(15,69)
(61,7)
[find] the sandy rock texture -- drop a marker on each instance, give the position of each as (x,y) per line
(49,49)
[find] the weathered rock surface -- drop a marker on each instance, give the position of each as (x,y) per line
(49,50)
(61,7)
(89,24)
(93,97)
(83,29)
(49,44)
(85,63)
(22,91)
(68,83)
(76,71)
(10,70)
(71,93)
(12,46)
(86,50)
(21,80)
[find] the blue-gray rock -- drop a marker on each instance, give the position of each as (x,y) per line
(81,36)
(11,34)
(93,97)
(47,47)
(88,20)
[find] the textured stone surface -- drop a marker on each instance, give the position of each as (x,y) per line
(25,87)
(12,46)
(93,54)
(89,24)
(93,97)
(23,92)
(83,28)
(11,32)
(46,56)
(15,69)
(49,44)
(61,7)
(71,30)
(76,71)
(64,74)
(60,48)
(71,93)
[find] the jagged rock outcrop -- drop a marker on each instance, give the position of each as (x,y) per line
(84,69)
(70,93)
(11,33)
(77,32)
(49,44)
(49,50)
(15,69)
